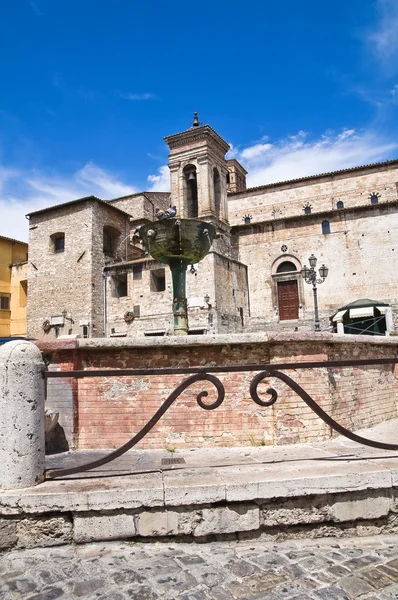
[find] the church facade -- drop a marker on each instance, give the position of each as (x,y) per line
(89,276)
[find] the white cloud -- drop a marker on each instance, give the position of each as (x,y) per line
(144,96)
(232,152)
(6,175)
(384,38)
(24,192)
(255,151)
(161,181)
(109,185)
(299,156)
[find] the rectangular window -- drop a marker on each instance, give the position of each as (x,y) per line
(119,285)
(23,293)
(110,240)
(109,243)
(155,333)
(58,240)
(158,280)
(137,272)
(4,302)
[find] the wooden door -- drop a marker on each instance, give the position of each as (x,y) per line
(288,300)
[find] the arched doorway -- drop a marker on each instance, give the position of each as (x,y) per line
(286,280)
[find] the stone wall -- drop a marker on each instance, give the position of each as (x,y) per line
(104,216)
(71,280)
(222,279)
(108,410)
(143,206)
(359,251)
(50,274)
(287,199)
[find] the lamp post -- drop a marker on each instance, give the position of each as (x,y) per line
(310,276)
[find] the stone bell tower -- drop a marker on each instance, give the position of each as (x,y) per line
(198,173)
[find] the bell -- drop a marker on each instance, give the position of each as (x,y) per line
(191,176)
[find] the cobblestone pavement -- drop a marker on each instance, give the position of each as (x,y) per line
(329,569)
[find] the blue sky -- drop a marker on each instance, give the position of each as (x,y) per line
(89,88)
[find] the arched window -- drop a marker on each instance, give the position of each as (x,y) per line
(217,191)
(374,198)
(190,191)
(340,204)
(325,227)
(286,267)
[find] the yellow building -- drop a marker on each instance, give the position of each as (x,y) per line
(13,287)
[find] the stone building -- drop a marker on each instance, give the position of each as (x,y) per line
(13,287)
(86,271)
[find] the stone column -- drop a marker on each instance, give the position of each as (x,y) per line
(389,320)
(224,200)
(22,446)
(176,188)
(340,326)
(205,188)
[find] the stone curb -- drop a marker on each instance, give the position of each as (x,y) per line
(200,502)
(214,340)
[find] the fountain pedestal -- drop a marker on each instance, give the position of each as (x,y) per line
(178,272)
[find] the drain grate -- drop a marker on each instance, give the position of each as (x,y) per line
(173,461)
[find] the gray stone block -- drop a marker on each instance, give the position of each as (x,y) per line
(91,527)
(8,533)
(372,505)
(157,523)
(44,531)
(228,519)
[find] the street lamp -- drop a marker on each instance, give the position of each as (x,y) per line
(310,276)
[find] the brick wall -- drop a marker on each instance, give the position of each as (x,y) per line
(107,411)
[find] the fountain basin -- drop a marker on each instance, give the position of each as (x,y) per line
(182,239)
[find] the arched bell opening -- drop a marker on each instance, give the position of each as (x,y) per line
(217,191)
(190,191)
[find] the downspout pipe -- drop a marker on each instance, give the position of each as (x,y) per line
(104,283)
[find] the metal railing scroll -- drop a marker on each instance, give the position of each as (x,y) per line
(263,371)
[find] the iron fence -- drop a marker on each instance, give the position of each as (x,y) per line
(263,371)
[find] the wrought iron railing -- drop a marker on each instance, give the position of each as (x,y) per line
(264,371)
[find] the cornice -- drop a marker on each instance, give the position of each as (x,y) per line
(315,215)
(195,134)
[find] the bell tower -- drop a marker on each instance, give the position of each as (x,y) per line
(198,173)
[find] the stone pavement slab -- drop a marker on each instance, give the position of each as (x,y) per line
(323,569)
